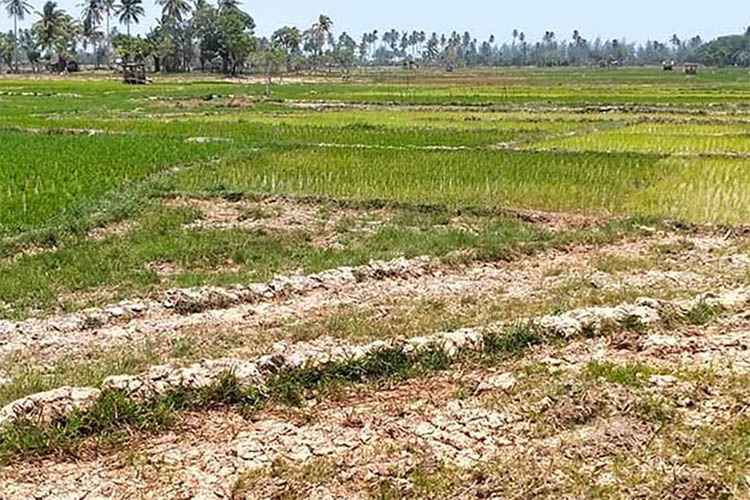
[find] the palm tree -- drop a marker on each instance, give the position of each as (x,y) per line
(676,42)
(17,9)
(109,8)
(289,38)
(224,5)
(316,37)
(129,12)
(49,25)
(324,25)
(174,10)
(92,11)
(172,14)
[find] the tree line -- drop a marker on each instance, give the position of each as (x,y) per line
(221,37)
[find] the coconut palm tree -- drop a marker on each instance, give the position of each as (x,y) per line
(289,38)
(92,12)
(224,5)
(49,25)
(324,24)
(174,10)
(109,8)
(324,27)
(129,12)
(316,36)
(17,9)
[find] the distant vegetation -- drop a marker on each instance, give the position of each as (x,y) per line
(221,37)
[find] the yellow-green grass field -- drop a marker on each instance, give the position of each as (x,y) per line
(85,152)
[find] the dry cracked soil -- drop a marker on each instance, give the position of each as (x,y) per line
(626,415)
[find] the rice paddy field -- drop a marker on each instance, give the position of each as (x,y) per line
(178,226)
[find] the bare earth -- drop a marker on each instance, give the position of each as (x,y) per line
(464,431)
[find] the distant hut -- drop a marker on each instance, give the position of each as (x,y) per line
(691,69)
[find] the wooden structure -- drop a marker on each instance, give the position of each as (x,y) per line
(691,69)
(134,74)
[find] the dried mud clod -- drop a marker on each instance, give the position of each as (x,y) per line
(456,428)
(294,297)
(592,322)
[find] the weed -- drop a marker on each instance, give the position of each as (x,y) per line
(630,374)
(702,313)
(511,341)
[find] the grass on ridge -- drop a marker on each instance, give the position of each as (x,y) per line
(114,417)
(120,264)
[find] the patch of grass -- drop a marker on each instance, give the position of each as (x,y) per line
(114,417)
(724,450)
(658,410)
(512,341)
(633,323)
(388,490)
(182,346)
(613,264)
(573,285)
(297,479)
(291,386)
(630,374)
(65,277)
(29,378)
(702,314)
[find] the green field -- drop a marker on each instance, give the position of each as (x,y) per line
(84,152)
(581,234)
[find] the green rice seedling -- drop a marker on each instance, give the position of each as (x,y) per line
(582,182)
(45,177)
(713,190)
(691,139)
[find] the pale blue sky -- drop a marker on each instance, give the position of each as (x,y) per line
(635,20)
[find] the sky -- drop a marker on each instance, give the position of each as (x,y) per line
(634,20)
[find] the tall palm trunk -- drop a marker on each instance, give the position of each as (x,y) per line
(109,47)
(15,42)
